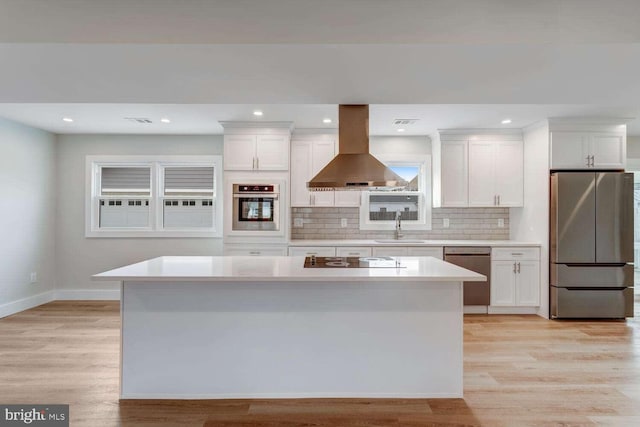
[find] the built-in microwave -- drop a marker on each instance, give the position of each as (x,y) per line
(256,207)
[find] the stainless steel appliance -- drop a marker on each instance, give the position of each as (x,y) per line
(476,259)
(256,207)
(591,245)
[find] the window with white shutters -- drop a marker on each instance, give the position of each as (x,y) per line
(149,196)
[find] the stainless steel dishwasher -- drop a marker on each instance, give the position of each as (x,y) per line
(474,258)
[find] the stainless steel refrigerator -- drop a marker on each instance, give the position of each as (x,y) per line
(591,245)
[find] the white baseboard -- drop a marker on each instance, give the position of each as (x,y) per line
(513,310)
(475,309)
(87,294)
(26,303)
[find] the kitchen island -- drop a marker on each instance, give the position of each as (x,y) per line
(266,327)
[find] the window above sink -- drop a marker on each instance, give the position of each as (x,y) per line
(378,209)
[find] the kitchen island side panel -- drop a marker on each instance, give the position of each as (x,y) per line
(199,340)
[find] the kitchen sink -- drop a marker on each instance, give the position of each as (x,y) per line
(399,241)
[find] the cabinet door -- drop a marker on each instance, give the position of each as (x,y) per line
(300,173)
(353,251)
(239,152)
(350,198)
(322,152)
(503,283)
(482,173)
(569,150)
(455,183)
(390,251)
(509,173)
(608,151)
(244,251)
(309,250)
(528,283)
(272,152)
(424,251)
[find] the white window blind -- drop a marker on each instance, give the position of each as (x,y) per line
(126,180)
(188,180)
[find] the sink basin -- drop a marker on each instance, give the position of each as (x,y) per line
(399,241)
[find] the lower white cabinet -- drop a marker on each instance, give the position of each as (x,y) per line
(359,251)
(312,250)
(255,250)
(515,277)
(390,251)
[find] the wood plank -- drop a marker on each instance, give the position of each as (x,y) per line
(520,370)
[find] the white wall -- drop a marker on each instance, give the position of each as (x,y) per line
(633,147)
(27,210)
(80,257)
(531,222)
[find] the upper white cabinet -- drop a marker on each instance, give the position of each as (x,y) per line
(308,156)
(588,150)
(251,148)
(486,171)
(256,152)
(455,174)
(307,159)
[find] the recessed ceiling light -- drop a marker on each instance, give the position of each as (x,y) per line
(400,130)
(165,120)
(67,119)
(326,120)
(506,121)
(257,113)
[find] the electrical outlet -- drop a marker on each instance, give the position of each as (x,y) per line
(343,222)
(297,222)
(33,277)
(500,222)
(445,222)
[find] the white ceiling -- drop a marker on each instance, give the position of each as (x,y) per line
(319,22)
(450,63)
(203,119)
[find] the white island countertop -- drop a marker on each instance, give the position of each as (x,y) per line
(282,268)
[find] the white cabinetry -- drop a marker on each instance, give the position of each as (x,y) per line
(311,250)
(308,157)
(482,171)
(435,252)
(455,174)
(255,250)
(251,152)
(358,251)
(515,277)
(587,150)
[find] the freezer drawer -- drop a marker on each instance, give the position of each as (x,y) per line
(591,303)
(598,276)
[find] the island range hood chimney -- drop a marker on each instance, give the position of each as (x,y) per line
(354,168)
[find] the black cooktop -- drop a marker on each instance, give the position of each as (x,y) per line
(351,262)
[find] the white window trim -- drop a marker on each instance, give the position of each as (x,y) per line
(156,163)
(424,221)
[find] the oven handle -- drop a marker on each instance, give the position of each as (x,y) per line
(261,195)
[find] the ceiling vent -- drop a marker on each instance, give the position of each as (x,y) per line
(141,120)
(404,122)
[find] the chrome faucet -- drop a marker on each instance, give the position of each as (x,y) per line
(397,233)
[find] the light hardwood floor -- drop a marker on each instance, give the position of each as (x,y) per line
(519,370)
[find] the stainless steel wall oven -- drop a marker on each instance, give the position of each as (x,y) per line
(256,207)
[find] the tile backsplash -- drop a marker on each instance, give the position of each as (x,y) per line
(464,224)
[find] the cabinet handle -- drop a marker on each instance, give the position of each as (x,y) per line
(354,253)
(498,200)
(588,160)
(494,200)
(593,160)
(254,253)
(514,268)
(257,162)
(516,253)
(312,253)
(253,163)
(518,268)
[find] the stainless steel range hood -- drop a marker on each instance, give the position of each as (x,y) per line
(354,168)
